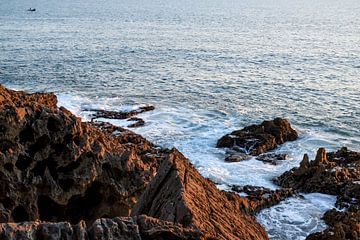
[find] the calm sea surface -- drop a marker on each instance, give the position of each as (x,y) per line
(209,67)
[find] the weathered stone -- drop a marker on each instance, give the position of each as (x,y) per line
(181,195)
(237,157)
(342,226)
(257,139)
(54,167)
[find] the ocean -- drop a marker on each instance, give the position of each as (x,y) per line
(209,67)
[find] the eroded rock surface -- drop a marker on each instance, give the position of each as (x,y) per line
(61,178)
(56,168)
(119,228)
(257,139)
(181,195)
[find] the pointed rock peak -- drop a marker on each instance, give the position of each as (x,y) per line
(305,163)
(321,157)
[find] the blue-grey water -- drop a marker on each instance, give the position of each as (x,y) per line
(209,67)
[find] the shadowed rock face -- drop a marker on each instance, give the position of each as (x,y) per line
(180,194)
(56,168)
(81,180)
(257,139)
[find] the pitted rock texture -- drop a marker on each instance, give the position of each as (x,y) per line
(181,195)
(56,171)
(257,139)
(119,228)
(56,168)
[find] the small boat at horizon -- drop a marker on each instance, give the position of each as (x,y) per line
(31,10)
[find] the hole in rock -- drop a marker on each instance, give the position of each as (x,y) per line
(84,207)
(9,167)
(53,124)
(40,144)
(49,210)
(23,162)
(19,214)
(40,167)
(26,135)
(71,166)
(7,203)
(68,138)
(66,184)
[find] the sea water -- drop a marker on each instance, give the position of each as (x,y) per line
(209,67)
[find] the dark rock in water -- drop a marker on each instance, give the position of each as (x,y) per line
(138,122)
(272,157)
(334,173)
(349,197)
(257,139)
(99,113)
(237,157)
(56,171)
(180,194)
(56,168)
(342,226)
(328,173)
(260,197)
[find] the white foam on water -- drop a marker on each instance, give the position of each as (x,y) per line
(296,217)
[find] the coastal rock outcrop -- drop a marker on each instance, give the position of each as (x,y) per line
(61,178)
(328,173)
(336,173)
(342,225)
(257,139)
(56,168)
(180,194)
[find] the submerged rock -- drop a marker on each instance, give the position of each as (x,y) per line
(272,157)
(257,139)
(180,194)
(100,113)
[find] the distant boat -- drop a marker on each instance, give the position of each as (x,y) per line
(31,9)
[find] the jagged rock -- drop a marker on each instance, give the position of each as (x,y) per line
(328,173)
(54,167)
(272,157)
(257,139)
(119,228)
(342,226)
(100,113)
(62,171)
(138,122)
(258,198)
(181,195)
(349,197)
